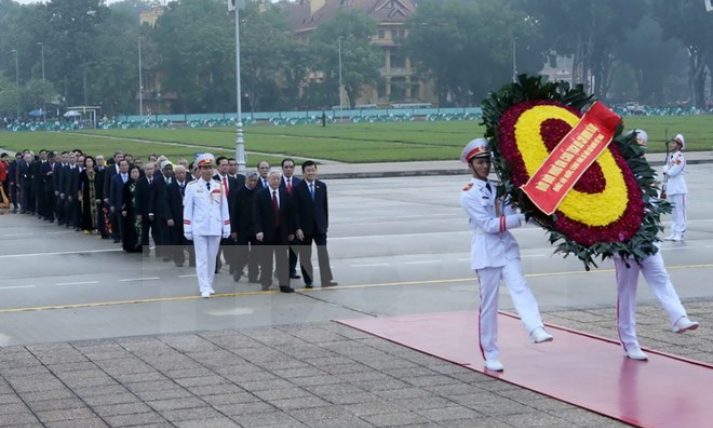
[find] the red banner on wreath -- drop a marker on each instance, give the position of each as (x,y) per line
(570,159)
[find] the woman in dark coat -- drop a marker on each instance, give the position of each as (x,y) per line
(129,214)
(89,195)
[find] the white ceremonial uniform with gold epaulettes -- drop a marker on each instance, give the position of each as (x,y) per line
(495,256)
(205,220)
(676,189)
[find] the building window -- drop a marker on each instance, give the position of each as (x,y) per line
(398,60)
(381,34)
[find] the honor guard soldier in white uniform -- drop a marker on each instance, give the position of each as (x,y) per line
(627,278)
(206,220)
(495,255)
(674,178)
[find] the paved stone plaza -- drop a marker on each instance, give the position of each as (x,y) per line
(92,337)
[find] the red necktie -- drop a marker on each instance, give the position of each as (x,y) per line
(275,208)
(225,183)
(289,185)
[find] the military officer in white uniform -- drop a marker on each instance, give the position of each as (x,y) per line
(627,278)
(674,176)
(495,255)
(206,220)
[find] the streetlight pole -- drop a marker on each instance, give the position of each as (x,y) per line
(339,42)
(141,86)
(42,53)
(17,80)
(239,142)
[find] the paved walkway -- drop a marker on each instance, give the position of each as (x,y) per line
(313,375)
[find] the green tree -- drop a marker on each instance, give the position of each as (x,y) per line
(71,35)
(588,30)
(689,22)
(196,40)
(655,62)
(360,59)
(466,46)
(265,45)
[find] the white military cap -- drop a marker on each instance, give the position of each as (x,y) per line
(478,148)
(642,138)
(166,163)
(205,159)
(679,139)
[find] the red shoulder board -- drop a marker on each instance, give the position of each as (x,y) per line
(468,187)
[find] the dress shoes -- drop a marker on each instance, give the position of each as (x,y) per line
(205,294)
(494,365)
(236,276)
(295,276)
(266,287)
(211,291)
(330,284)
(308,285)
(539,335)
(684,324)
(286,289)
(635,353)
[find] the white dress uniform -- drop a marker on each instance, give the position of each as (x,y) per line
(205,220)
(656,276)
(676,190)
(495,256)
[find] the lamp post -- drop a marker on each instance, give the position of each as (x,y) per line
(237,5)
(42,56)
(141,86)
(339,43)
(17,80)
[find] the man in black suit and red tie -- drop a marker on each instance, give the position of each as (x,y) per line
(274,228)
(311,224)
(289,181)
(144,191)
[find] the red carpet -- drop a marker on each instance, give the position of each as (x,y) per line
(580,369)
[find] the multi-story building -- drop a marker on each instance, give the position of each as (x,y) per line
(400,83)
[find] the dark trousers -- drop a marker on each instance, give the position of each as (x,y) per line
(176,246)
(227,249)
(246,253)
(278,250)
(14,195)
(325,271)
(40,200)
(147,224)
(73,212)
(61,210)
(50,208)
(293,258)
(28,197)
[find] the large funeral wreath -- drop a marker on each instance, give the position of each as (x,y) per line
(613,208)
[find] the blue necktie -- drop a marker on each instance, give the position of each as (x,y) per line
(311,190)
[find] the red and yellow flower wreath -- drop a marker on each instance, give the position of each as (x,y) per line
(610,209)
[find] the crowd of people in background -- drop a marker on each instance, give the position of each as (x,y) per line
(132,202)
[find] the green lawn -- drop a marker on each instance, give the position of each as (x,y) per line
(347,142)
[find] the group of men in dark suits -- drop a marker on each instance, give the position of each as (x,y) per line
(48,185)
(275,215)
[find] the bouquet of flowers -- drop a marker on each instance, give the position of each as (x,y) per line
(611,206)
